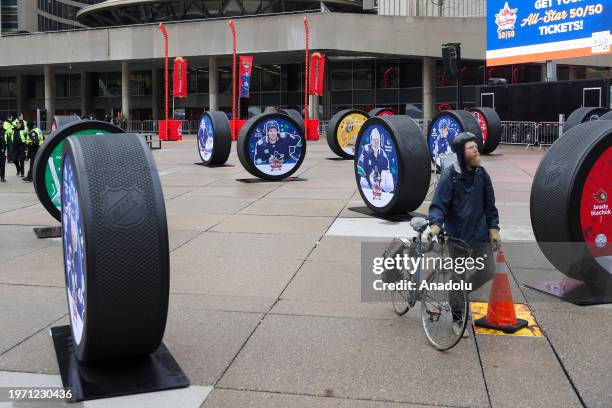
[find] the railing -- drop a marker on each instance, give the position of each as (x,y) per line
(531,133)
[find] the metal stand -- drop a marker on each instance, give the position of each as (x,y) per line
(573,291)
(48,232)
(214,165)
(258,180)
(156,372)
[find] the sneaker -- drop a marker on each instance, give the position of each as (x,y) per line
(457,326)
(27,179)
(3,180)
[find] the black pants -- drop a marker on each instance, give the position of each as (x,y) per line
(9,151)
(19,157)
(32,150)
(481,252)
(2,164)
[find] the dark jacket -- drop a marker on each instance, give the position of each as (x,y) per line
(464,203)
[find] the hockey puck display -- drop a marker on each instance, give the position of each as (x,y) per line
(392,165)
(606,116)
(490,126)
(570,205)
(214,138)
(342,131)
(271,146)
(445,127)
(295,115)
(582,115)
(115,243)
(381,112)
(48,162)
(59,121)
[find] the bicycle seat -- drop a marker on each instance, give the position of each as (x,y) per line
(419,224)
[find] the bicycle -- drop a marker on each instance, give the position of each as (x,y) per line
(444,312)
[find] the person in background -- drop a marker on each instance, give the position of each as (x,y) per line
(33,142)
(2,155)
(19,144)
(9,129)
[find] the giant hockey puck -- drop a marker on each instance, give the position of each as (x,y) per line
(381,112)
(295,115)
(570,206)
(59,121)
(392,165)
(214,138)
(342,131)
(48,162)
(443,130)
(606,116)
(490,126)
(115,240)
(582,115)
(271,146)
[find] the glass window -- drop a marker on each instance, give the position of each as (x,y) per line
(293,78)
(387,75)
(270,78)
(61,86)
(202,81)
(363,75)
(341,75)
(256,78)
(411,74)
(225,80)
(74,87)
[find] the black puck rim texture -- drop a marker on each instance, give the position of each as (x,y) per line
(214,138)
(47,163)
(266,160)
(490,126)
(295,115)
(456,121)
(570,204)
(582,115)
(382,112)
(115,244)
(342,131)
(606,116)
(395,182)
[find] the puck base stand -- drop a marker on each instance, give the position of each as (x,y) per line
(48,232)
(156,372)
(573,291)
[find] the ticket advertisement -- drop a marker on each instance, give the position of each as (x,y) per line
(541,30)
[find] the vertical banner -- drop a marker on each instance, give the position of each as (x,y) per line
(246,66)
(180,78)
(317,73)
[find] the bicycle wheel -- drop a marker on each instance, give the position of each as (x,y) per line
(404,299)
(444,310)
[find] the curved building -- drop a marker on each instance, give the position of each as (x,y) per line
(127,12)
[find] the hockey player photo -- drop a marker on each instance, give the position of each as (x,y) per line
(205,138)
(374,170)
(277,151)
(440,143)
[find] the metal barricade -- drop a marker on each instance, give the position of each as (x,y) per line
(548,132)
(519,133)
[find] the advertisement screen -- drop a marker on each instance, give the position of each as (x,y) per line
(520,31)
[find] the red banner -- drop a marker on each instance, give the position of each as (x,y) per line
(180,78)
(246,66)
(317,73)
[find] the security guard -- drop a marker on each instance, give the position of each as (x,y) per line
(33,142)
(19,144)
(24,123)
(8,136)
(2,155)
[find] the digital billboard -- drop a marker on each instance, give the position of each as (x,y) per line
(520,31)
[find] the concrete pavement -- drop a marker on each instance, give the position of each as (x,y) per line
(266,308)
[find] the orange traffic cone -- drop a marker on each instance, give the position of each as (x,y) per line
(500,312)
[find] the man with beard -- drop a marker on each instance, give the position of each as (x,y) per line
(464,205)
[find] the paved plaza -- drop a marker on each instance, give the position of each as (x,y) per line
(265,304)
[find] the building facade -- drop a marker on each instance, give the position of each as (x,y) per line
(373,59)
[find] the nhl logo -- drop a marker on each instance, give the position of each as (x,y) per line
(124,208)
